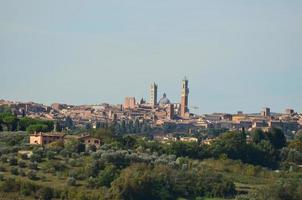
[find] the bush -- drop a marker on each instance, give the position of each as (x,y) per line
(35,157)
(32,174)
(1,176)
(71,181)
(54,166)
(2,168)
(24,156)
(108,175)
(12,161)
(4,158)
(45,193)
(50,155)
(33,165)
(9,185)
(14,170)
(21,172)
(22,164)
(27,188)
(92,183)
(290,189)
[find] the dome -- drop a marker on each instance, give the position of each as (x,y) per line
(164,100)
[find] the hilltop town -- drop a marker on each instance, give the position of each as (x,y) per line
(157,115)
(66,151)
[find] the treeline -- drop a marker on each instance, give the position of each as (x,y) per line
(136,126)
(10,122)
(268,149)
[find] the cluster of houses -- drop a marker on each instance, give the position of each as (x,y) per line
(47,138)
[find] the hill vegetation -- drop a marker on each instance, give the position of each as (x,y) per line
(136,167)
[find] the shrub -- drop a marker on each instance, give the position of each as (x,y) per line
(45,193)
(289,189)
(9,185)
(71,181)
(14,170)
(27,188)
(1,176)
(24,156)
(35,158)
(2,168)
(92,183)
(21,172)
(50,155)
(108,175)
(33,165)
(54,165)
(32,174)
(12,161)
(22,164)
(4,158)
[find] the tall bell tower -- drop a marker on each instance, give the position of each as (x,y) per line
(153,94)
(184,97)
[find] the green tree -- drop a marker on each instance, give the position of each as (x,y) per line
(277,138)
(128,142)
(298,135)
(183,149)
(37,128)
(140,182)
(10,121)
(258,135)
(107,175)
(74,146)
(233,144)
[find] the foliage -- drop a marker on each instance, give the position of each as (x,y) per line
(13,138)
(277,138)
(21,164)
(45,193)
(35,157)
(13,161)
(71,181)
(14,170)
(190,149)
(33,165)
(13,123)
(107,175)
(258,135)
(32,175)
(74,146)
(50,155)
(37,128)
(161,182)
(282,190)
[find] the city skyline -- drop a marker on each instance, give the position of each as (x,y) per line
(130,102)
(239,56)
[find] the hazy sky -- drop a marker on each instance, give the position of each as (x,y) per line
(237,54)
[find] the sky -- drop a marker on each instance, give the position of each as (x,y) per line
(237,54)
